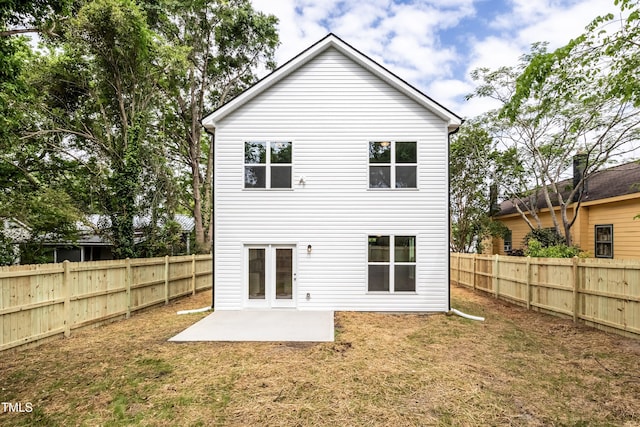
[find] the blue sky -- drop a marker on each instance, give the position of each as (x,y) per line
(435,44)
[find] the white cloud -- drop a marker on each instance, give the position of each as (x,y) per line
(405,36)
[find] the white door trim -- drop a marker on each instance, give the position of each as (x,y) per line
(269,299)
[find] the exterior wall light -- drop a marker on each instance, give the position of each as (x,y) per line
(309,249)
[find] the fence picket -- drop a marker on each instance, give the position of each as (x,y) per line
(79,294)
(578,288)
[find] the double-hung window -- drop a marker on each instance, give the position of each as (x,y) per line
(393,164)
(392,263)
(604,241)
(267,164)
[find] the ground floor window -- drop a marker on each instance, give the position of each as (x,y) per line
(392,263)
(604,241)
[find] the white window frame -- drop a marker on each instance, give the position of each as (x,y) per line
(392,164)
(267,165)
(392,264)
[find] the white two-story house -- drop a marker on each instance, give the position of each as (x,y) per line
(331,189)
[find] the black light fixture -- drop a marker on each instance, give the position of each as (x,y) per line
(309,249)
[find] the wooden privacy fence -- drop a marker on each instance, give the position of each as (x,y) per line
(599,292)
(40,301)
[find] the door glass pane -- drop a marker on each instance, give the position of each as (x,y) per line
(284,273)
(256,273)
(379,177)
(280,176)
(405,278)
(378,278)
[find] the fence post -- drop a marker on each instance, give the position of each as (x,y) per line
(496,278)
(166,279)
(473,274)
(67,298)
(193,274)
(457,268)
(128,279)
(528,283)
(575,289)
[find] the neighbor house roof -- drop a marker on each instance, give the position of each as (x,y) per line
(333,41)
(89,236)
(612,182)
(15,230)
(97,221)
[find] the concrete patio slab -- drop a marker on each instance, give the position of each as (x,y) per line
(261,325)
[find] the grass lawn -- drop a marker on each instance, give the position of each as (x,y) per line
(516,368)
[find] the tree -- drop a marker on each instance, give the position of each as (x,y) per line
(217,48)
(521,185)
(101,95)
(34,179)
(474,163)
(32,16)
(560,105)
(603,63)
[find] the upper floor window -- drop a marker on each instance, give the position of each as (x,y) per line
(604,241)
(267,164)
(393,164)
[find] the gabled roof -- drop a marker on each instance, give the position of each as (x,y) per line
(333,41)
(612,182)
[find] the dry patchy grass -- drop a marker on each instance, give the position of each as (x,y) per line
(516,368)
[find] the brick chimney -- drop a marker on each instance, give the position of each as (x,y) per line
(580,160)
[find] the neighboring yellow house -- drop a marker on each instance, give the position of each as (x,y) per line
(605,227)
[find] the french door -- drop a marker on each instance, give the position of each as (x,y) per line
(271,276)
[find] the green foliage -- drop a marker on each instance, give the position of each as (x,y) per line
(14,12)
(536,249)
(106,112)
(214,51)
(161,241)
(473,162)
(8,251)
(581,98)
(107,119)
(545,237)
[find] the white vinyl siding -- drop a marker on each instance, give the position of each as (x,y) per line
(332,108)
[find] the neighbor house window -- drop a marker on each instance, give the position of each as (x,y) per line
(604,241)
(267,164)
(393,164)
(392,263)
(507,242)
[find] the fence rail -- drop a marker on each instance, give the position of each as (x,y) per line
(602,293)
(41,301)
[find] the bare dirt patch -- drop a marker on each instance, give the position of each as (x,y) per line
(516,368)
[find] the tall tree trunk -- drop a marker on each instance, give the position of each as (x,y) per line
(200,245)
